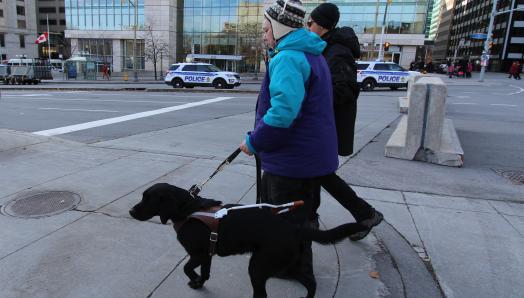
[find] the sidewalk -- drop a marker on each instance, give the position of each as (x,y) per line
(462,227)
(97,250)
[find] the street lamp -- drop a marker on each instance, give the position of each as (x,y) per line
(134,3)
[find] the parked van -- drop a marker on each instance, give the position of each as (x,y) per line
(57,64)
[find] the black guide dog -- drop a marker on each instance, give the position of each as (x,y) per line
(275,243)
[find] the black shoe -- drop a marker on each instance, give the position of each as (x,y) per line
(374,220)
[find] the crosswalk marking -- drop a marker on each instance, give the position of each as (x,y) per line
(103,122)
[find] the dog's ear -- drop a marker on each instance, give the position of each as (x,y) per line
(168,209)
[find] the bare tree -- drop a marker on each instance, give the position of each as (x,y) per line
(155,48)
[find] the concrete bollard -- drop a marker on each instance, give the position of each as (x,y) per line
(403,101)
(424,133)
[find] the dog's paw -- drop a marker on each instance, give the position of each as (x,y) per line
(197,283)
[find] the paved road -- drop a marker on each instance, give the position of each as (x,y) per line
(40,111)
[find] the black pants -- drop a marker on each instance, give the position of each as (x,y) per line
(345,195)
(279,190)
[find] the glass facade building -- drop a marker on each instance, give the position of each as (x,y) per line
(103,14)
(228,33)
(222,27)
(106,15)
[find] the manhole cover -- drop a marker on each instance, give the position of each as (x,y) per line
(516,177)
(42,204)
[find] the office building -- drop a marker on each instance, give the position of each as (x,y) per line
(225,32)
(17,29)
(54,11)
(443,28)
(470,25)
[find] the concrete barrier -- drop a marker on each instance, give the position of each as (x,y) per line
(424,133)
(403,101)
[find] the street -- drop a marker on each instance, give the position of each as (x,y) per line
(37,111)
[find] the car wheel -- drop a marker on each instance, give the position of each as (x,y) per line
(219,84)
(369,85)
(178,83)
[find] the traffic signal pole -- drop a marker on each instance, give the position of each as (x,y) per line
(381,49)
(489,39)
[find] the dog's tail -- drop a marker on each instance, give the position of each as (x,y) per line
(332,235)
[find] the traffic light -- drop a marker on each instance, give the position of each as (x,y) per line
(386,46)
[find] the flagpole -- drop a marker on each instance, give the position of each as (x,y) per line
(48,39)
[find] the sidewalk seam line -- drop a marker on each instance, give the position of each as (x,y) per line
(504,217)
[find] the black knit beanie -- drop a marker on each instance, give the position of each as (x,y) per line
(326,15)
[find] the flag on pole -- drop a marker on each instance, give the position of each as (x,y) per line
(42,38)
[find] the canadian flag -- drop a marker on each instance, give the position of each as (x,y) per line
(42,38)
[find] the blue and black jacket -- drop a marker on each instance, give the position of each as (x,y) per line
(295,134)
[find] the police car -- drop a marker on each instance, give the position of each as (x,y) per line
(190,75)
(371,74)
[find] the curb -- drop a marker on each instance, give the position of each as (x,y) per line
(134,89)
(416,276)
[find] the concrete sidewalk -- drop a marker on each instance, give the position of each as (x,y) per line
(443,224)
(97,250)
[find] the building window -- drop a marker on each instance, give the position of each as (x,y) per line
(1,13)
(62,22)
(127,58)
(99,50)
(2,40)
(21,37)
(21,24)
(20,10)
(51,22)
(47,10)
(61,9)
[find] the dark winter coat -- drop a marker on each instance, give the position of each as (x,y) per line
(342,50)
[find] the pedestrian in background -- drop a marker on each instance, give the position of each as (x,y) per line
(294,135)
(451,70)
(469,69)
(105,73)
(342,49)
(518,70)
(513,70)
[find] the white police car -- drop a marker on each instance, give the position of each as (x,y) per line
(371,74)
(189,75)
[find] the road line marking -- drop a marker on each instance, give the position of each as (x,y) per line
(79,110)
(112,100)
(464,103)
(463,96)
(503,105)
(520,90)
(92,124)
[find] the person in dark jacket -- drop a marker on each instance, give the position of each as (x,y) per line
(341,51)
(294,135)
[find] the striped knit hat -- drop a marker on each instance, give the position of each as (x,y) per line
(285,16)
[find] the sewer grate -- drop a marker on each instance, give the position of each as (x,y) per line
(43,204)
(516,177)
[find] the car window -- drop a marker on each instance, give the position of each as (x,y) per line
(174,67)
(214,68)
(381,66)
(362,66)
(395,67)
(189,68)
(202,68)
